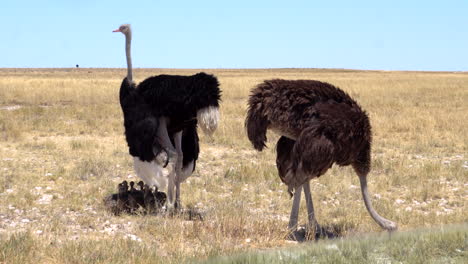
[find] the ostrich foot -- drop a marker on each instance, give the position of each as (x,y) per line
(303,234)
(178,205)
(319,232)
(298,235)
(173,209)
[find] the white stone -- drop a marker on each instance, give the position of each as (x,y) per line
(133,237)
(45,199)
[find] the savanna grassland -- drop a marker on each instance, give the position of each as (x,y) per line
(62,150)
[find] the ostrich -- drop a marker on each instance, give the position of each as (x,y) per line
(319,125)
(161,115)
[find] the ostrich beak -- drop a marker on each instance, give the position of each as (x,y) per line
(117,30)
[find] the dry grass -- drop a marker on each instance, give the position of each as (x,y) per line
(62,150)
(424,245)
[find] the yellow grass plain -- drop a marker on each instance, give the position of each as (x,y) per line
(62,150)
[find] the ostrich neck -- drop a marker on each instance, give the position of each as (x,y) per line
(128,44)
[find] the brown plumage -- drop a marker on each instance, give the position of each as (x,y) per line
(320,125)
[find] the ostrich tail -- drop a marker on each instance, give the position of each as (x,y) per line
(256,125)
(208,118)
(208,95)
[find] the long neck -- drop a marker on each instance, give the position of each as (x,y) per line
(128,44)
(384,223)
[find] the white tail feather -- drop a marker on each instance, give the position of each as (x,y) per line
(208,118)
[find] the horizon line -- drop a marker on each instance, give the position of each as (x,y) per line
(253,68)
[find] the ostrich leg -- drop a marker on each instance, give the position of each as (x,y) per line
(178,168)
(384,223)
(295,209)
(310,208)
(296,235)
(165,141)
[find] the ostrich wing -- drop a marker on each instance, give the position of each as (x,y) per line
(310,156)
(143,143)
(256,125)
(164,93)
(180,96)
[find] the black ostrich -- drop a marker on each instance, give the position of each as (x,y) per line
(160,118)
(319,125)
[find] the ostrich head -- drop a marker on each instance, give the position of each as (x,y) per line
(124,29)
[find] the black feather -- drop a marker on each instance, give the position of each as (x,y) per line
(173,96)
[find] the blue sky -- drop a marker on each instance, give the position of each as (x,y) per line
(388,35)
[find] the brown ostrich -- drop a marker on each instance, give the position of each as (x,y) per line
(319,125)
